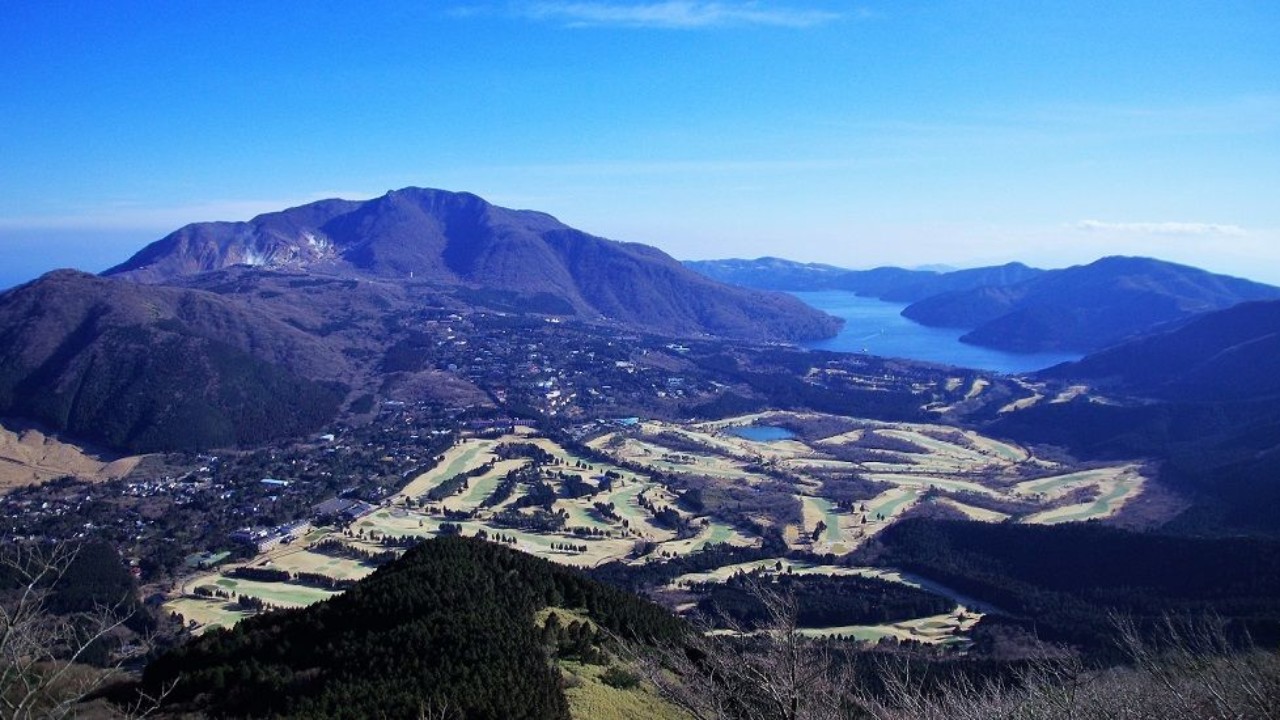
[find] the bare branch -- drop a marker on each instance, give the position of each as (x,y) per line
(42,653)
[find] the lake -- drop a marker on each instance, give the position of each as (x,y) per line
(878,328)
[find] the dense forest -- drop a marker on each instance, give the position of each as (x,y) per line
(821,601)
(79,578)
(1069,583)
(451,623)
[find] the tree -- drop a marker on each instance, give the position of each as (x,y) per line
(818,530)
(49,634)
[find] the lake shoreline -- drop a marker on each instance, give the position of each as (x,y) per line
(876,327)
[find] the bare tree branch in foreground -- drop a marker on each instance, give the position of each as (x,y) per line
(773,673)
(1187,671)
(43,673)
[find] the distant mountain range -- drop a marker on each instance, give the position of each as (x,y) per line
(1085,308)
(886,283)
(459,240)
(1017,308)
(234,333)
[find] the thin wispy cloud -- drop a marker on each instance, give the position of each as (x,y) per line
(687,167)
(677,14)
(1078,125)
(1162,228)
(124,215)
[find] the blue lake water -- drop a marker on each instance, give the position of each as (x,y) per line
(878,328)
(762,433)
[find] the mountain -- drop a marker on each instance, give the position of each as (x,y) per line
(148,368)
(927,284)
(1231,354)
(768,273)
(1014,307)
(1085,308)
(459,240)
(887,283)
(453,623)
(1203,395)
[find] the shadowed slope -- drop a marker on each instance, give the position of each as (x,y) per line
(152,368)
(1085,308)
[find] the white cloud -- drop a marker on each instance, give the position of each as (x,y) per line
(677,14)
(1162,228)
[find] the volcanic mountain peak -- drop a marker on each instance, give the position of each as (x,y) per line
(408,231)
(459,239)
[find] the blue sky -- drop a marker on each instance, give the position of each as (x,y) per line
(857,134)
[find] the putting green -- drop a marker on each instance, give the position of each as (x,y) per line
(891,502)
(713,532)
(581,516)
(822,510)
(933,630)
(972,512)
(308,561)
(1062,484)
(481,487)
(207,612)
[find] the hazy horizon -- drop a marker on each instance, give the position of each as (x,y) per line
(856,135)
(35,252)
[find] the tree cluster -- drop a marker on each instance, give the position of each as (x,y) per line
(450,623)
(1067,582)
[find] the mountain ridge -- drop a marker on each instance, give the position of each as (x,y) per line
(459,239)
(148,367)
(451,623)
(1016,308)
(888,283)
(1085,307)
(1227,354)
(1201,395)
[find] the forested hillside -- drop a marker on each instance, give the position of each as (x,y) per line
(1068,583)
(146,368)
(1228,355)
(449,624)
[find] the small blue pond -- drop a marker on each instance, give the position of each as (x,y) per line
(762,433)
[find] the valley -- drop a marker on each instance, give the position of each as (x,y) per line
(640,360)
(648,491)
(338,424)
(878,327)
(356,418)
